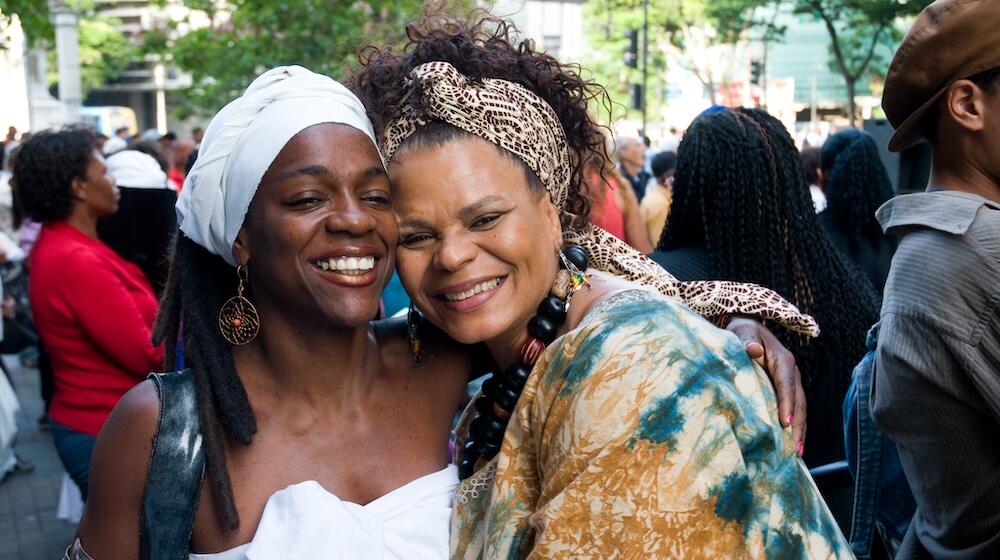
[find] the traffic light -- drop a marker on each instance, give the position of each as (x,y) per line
(638,97)
(632,52)
(756,72)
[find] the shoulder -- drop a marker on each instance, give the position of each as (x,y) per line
(119,467)
(439,355)
(641,337)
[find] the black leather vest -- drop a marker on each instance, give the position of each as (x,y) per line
(176,471)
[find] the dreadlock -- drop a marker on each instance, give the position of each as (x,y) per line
(740,191)
(856,185)
(197,286)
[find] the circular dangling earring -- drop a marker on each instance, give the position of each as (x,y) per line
(238,319)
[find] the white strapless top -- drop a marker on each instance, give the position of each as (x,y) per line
(305,521)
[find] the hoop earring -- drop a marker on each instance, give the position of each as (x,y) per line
(238,319)
(413,331)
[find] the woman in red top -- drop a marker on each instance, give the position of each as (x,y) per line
(93,310)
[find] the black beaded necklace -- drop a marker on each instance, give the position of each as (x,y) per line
(500,392)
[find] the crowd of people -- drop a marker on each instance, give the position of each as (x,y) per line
(608,352)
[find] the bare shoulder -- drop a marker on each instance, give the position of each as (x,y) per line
(440,356)
(110,524)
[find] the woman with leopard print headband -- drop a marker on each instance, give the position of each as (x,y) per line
(640,430)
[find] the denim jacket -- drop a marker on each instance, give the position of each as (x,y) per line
(882,497)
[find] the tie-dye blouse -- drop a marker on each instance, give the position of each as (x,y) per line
(645,432)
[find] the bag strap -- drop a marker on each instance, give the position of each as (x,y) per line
(176,471)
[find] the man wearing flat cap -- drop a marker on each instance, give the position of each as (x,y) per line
(937,382)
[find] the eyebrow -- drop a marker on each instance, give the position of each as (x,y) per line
(309,170)
(465,213)
(320,170)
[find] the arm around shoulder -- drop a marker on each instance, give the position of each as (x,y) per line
(110,524)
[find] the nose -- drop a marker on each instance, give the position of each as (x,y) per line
(454,252)
(350,216)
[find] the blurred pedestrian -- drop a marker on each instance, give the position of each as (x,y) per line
(810,165)
(856,184)
(937,373)
(93,310)
(631,156)
(614,206)
(742,211)
(655,206)
(141,229)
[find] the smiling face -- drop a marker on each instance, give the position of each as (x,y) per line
(478,243)
(319,235)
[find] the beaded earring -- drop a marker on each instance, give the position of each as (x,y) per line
(501,392)
(413,331)
(238,319)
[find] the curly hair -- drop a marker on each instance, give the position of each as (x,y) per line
(740,192)
(856,184)
(198,285)
(485,47)
(45,167)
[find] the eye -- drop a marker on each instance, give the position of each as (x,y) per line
(485,221)
(414,240)
(377,198)
(305,201)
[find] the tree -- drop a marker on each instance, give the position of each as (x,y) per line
(857,29)
(104,53)
(34,18)
(702,36)
(245,37)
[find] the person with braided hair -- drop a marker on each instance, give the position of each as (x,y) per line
(856,185)
(617,422)
(742,211)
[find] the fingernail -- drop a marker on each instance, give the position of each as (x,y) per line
(788,419)
(801,448)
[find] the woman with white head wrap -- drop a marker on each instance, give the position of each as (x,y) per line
(295,408)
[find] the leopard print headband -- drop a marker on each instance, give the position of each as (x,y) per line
(512,117)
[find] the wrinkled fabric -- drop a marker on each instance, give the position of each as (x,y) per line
(306,521)
(643,433)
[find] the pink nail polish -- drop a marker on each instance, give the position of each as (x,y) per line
(801,448)
(788,419)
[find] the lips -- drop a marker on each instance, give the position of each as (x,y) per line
(353,270)
(469,295)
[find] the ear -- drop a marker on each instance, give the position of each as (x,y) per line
(552,221)
(78,186)
(241,247)
(964,104)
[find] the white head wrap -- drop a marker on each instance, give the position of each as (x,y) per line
(137,170)
(242,141)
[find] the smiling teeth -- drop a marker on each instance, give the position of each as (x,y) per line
(477,289)
(347,265)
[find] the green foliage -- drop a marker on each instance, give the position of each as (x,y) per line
(34,18)
(248,36)
(104,53)
(685,28)
(861,32)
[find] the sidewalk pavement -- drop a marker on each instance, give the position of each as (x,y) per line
(29,529)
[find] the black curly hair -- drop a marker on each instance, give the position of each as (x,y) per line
(740,192)
(45,167)
(485,47)
(856,184)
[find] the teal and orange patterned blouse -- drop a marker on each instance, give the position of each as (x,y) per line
(645,432)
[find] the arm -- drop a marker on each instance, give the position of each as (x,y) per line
(635,230)
(779,364)
(109,316)
(110,524)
